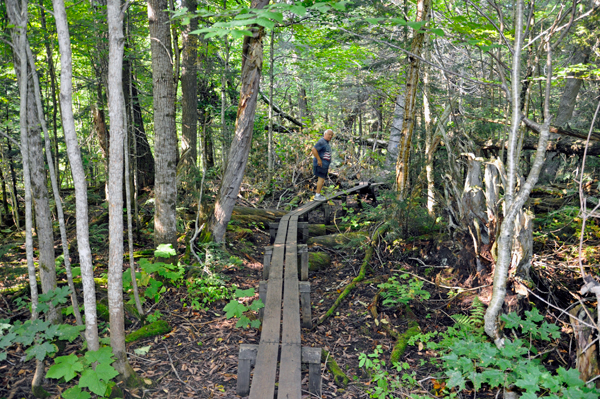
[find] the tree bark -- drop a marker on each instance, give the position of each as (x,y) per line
(252,59)
(165,133)
(78,173)
(189,112)
(395,130)
(143,159)
(116,107)
(412,81)
(514,203)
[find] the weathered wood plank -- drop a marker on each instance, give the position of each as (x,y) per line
(263,382)
(290,377)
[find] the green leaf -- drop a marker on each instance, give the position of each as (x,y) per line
(416,25)
(340,5)
(373,21)
(255,323)
(165,251)
(76,393)
(277,16)
(534,315)
(298,10)
(455,379)
(2,356)
(529,395)
(91,380)
(570,377)
(67,332)
(234,309)
(238,33)
(65,367)
(7,340)
(266,23)
(40,351)
(256,305)
(243,322)
(398,21)
(244,293)
(531,386)
(76,271)
(437,31)
(106,372)
(494,378)
(153,290)
(102,356)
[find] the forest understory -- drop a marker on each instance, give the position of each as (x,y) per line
(197,356)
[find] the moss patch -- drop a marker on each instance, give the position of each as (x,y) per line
(339,377)
(318,261)
(157,328)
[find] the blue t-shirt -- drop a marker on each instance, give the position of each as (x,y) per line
(324,150)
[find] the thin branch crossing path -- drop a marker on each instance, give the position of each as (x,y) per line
(281,286)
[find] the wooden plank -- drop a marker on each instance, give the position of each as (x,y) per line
(290,378)
(263,382)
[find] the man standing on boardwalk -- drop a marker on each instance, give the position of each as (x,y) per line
(322,158)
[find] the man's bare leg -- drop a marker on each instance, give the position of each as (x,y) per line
(320,182)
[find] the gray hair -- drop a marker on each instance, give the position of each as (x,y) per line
(327,131)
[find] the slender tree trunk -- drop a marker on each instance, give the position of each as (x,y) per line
(252,59)
(18,17)
(55,189)
(50,61)
(428,146)
(79,180)
(271,84)
(189,102)
(395,130)
(117,112)
(165,133)
(412,81)
(513,203)
(14,196)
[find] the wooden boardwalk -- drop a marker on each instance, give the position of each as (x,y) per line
(283,288)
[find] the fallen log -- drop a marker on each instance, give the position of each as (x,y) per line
(564,145)
(335,240)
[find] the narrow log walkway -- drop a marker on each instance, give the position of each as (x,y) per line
(281,286)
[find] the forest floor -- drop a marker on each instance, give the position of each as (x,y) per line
(198,358)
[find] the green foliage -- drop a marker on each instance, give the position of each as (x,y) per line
(396,292)
(96,379)
(147,279)
(37,336)
(385,384)
(471,359)
(475,320)
(206,290)
(238,309)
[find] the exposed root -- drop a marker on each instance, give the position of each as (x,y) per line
(401,339)
(339,377)
(357,279)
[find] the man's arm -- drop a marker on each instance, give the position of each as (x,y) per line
(316,155)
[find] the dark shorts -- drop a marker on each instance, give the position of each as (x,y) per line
(320,171)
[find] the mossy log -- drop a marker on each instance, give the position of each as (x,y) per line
(318,261)
(315,230)
(157,328)
(335,240)
(401,339)
(339,377)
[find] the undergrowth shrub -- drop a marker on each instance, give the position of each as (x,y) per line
(468,360)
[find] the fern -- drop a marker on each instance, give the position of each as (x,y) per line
(475,320)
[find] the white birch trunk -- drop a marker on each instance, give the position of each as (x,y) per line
(78,173)
(116,107)
(395,131)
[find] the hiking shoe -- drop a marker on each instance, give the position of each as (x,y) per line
(319,197)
